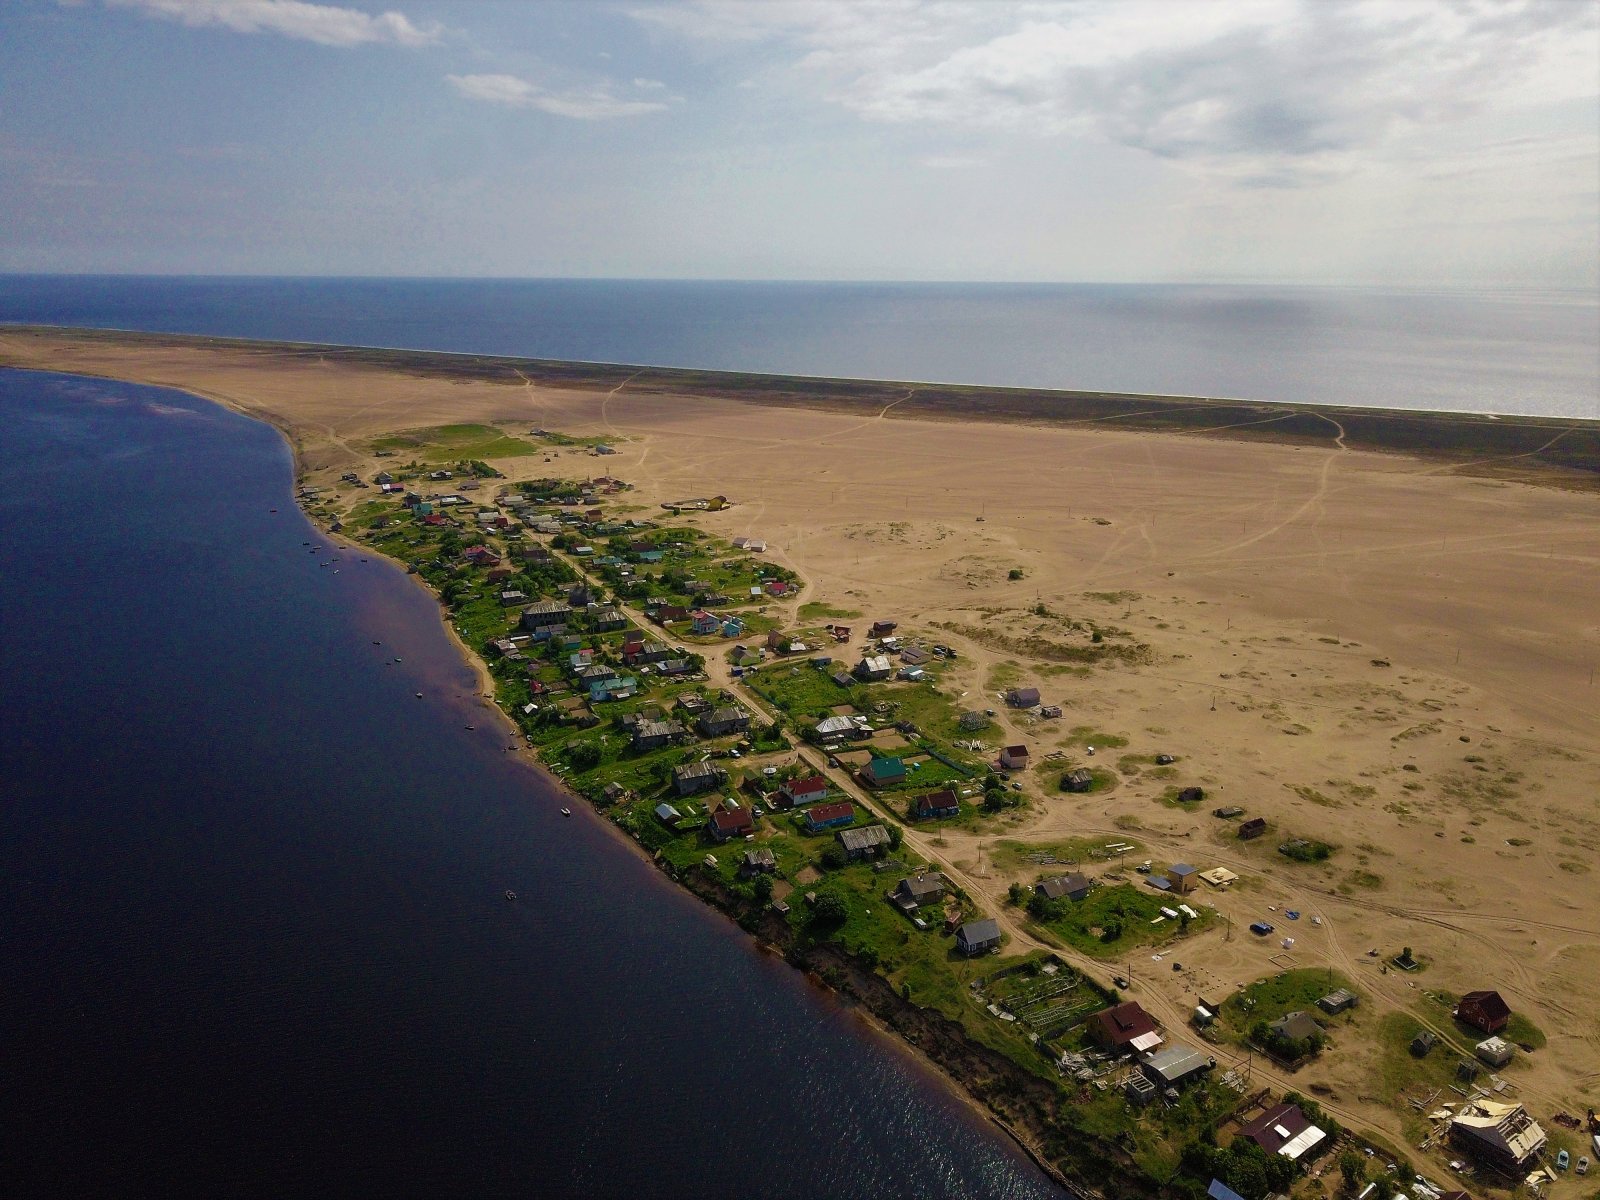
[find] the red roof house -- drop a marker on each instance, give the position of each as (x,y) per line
(1125,1026)
(1483,1010)
(730,822)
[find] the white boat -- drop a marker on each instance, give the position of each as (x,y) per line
(566,812)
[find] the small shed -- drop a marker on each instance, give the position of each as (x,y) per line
(1014,758)
(1072,886)
(1423,1043)
(1253,828)
(1495,1051)
(870,841)
(1139,1090)
(758,862)
(1022,697)
(1183,877)
(1079,779)
(1336,1002)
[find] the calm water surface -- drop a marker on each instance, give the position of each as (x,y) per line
(252,929)
(1511,352)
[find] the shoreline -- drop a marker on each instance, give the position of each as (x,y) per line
(1549,451)
(849,1000)
(232,389)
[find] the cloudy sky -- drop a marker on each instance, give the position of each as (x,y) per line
(1381,141)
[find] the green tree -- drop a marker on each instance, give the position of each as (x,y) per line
(761,888)
(584,755)
(1353,1170)
(1016,894)
(834,857)
(1244,1169)
(830,912)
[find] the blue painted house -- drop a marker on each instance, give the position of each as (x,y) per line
(613,689)
(830,816)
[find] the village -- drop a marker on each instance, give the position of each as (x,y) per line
(799,761)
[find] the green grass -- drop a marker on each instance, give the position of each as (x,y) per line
(1088,735)
(1169,798)
(802,690)
(1126,905)
(1008,856)
(1518,1029)
(1399,1071)
(814,610)
(453,443)
(1524,1032)
(1306,850)
(1270,998)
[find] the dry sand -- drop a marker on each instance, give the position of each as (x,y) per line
(1321,621)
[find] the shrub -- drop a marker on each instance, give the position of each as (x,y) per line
(830,912)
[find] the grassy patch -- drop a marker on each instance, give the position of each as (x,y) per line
(1111,920)
(1169,797)
(452,443)
(814,610)
(1270,998)
(1088,735)
(1306,850)
(1360,879)
(1046,857)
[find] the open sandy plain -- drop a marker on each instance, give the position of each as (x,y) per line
(1379,651)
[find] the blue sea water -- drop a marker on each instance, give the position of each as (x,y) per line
(1532,353)
(253,935)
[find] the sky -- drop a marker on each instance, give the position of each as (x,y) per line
(1453,143)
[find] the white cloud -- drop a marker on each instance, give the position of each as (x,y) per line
(651,85)
(593,105)
(325,24)
(1262,92)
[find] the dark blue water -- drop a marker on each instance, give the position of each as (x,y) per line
(1533,353)
(252,933)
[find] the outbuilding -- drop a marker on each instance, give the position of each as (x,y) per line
(1176,1066)
(1495,1051)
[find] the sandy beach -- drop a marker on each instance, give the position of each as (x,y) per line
(1392,654)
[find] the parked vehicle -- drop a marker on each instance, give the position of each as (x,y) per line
(1260,928)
